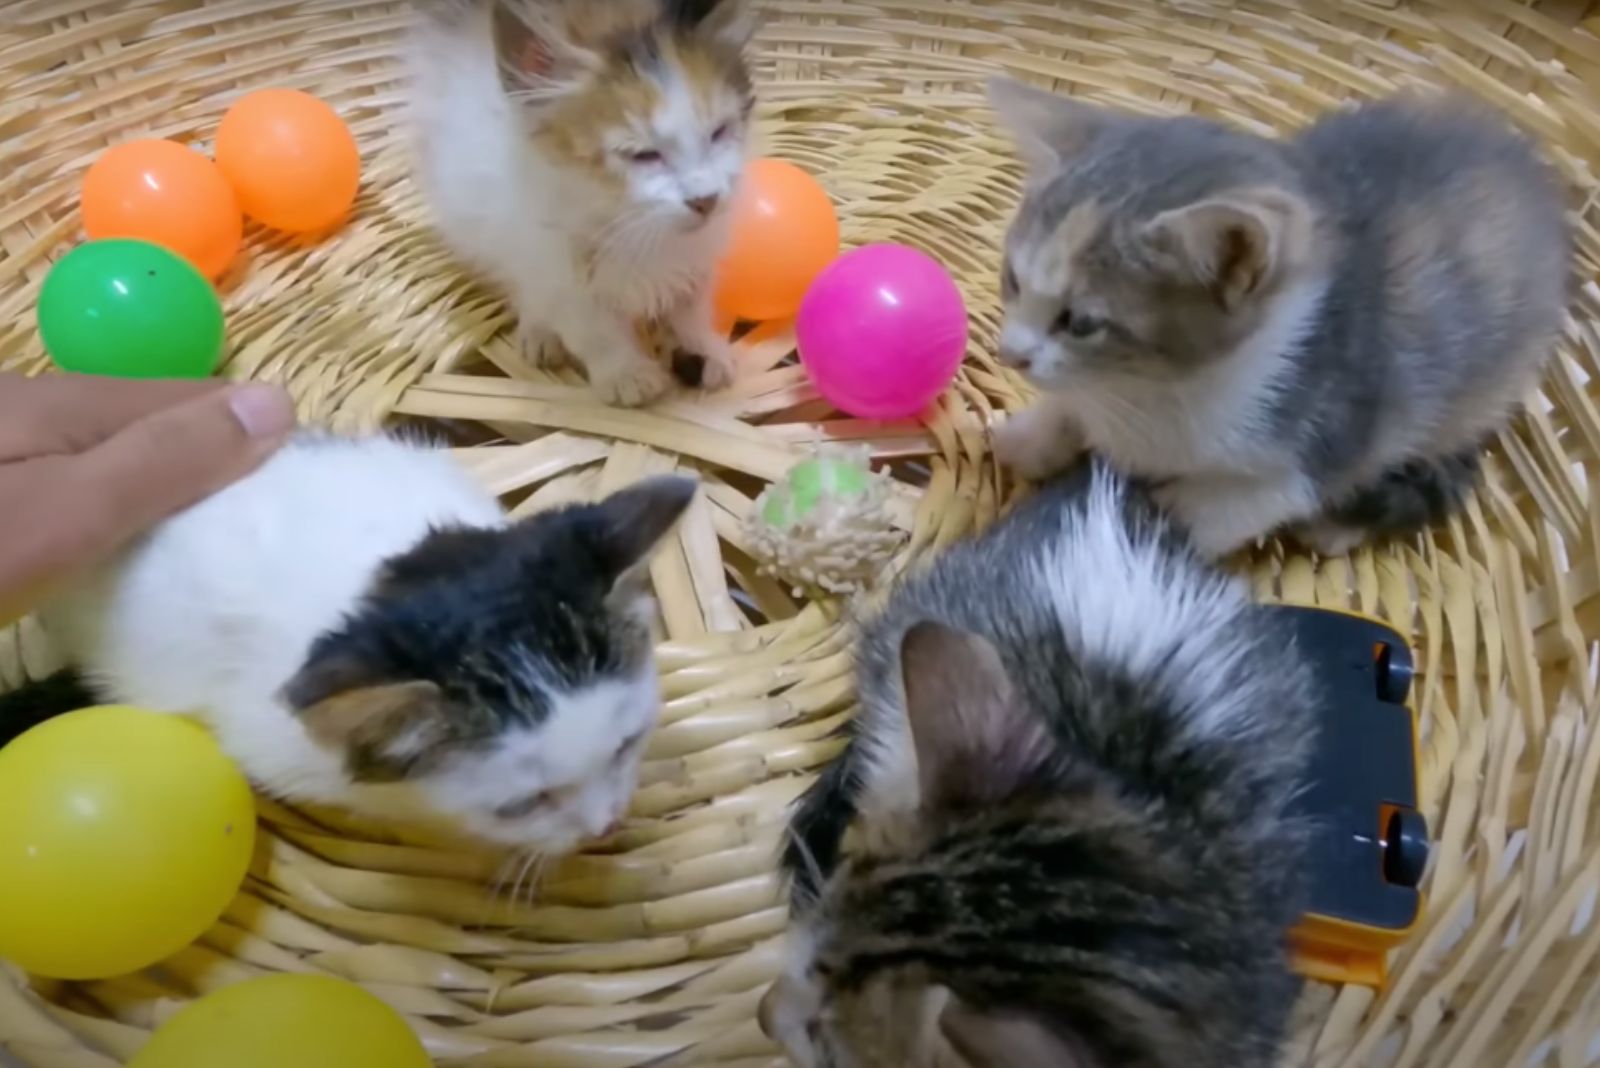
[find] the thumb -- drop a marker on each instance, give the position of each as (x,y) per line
(180,455)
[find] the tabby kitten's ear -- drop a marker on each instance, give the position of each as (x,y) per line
(1235,246)
(1047,128)
(976,742)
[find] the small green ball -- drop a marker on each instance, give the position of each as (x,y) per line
(130,309)
(808,483)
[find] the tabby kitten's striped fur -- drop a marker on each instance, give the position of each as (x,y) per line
(1068,800)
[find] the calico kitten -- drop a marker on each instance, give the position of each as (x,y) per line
(1319,332)
(361,627)
(582,156)
(1068,792)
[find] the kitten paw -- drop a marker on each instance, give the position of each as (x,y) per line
(542,347)
(708,367)
(1023,445)
(1329,539)
(636,384)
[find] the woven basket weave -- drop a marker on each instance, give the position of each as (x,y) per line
(656,948)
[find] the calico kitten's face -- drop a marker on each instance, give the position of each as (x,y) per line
(505,676)
(650,99)
(1146,248)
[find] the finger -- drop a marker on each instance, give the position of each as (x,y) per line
(62,413)
(178,456)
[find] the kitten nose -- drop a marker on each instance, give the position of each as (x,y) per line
(703,206)
(1017,358)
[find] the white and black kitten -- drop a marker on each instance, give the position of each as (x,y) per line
(1062,831)
(1317,333)
(361,627)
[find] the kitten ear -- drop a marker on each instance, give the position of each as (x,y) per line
(537,52)
(726,22)
(1237,245)
(387,730)
(1047,128)
(1008,1040)
(975,741)
(635,519)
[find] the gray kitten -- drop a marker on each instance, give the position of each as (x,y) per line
(1319,332)
(1067,794)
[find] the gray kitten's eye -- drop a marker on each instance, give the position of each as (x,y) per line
(721,133)
(647,155)
(1008,281)
(1086,326)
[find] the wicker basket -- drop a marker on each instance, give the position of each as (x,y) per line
(656,949)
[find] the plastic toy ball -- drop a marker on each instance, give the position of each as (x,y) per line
(882,332)
(291,159)
(308,1021)
(784,233)
(162,192)
(132,310)
(123,835)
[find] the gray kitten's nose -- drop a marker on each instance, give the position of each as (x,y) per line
(1017,358)
(703,206)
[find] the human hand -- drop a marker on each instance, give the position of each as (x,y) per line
(89,464)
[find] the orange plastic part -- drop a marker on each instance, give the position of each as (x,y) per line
(167,194)
(784,232)
(290,158)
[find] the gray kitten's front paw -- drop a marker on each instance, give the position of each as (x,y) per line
(1035,447)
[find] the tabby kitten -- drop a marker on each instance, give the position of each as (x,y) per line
(1068,793)
(581,155)
(1319,332)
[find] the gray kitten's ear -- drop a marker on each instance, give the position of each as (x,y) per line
(1047,128)
(976,741)
(387,730)
(633,520)
(1236,246)
(1006,1040)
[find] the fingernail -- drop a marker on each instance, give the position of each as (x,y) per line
(263,411)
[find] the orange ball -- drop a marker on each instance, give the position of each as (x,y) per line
(291,159)
(167,194)
(784,233)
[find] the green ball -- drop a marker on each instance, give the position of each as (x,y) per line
(130,309)
(806,485)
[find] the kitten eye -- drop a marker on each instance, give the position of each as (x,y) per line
(527,806)
(721,133)
(1008,281)
(1063,323)
(1085,326)
(645,156)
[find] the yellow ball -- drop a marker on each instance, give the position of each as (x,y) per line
(303,1021)
(123,836)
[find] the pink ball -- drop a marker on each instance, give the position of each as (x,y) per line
(882,331)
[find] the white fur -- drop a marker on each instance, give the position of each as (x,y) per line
(581,270)
(1124,599)
(214,612)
